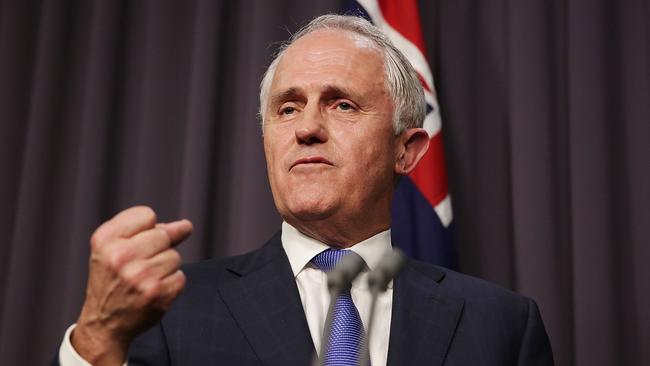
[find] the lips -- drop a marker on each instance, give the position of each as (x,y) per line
(311,160)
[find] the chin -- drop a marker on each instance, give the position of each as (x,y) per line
(306,210)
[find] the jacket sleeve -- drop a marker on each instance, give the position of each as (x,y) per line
(535,349)
(149,348)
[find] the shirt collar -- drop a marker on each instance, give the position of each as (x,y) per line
(300,248)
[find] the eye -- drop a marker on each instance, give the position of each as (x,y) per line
(287,110)
(344,106)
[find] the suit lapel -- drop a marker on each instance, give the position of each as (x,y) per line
(424,317)
(264,300)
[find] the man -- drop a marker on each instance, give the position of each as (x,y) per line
(342,112)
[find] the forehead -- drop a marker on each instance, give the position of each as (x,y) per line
(331,56)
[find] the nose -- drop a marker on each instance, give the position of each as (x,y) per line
(311,129)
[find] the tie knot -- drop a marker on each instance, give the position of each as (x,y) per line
(328,259)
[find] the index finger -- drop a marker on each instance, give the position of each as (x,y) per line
(128,223)
(177,230)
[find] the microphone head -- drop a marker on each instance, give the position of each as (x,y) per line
(386,270)
(346,270)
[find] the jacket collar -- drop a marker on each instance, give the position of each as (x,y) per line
(424,318)
(263,298)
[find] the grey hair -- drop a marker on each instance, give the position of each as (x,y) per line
(401,79)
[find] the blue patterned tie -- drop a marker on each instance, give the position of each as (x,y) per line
(347,328)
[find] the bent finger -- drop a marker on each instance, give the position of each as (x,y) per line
(177,230)
(126,223)
(151,269)
(170,288)
(147,244)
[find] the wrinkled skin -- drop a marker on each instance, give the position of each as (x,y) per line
(331,151)
(133,278)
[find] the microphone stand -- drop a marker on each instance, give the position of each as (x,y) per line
(378,281)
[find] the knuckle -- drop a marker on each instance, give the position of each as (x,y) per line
(132,275)
(175,257)
(181,280)
(117,258)
(151,291)
(178,284)
(156,240)
(148,214)
(97,240)
(160,235)
(130,279)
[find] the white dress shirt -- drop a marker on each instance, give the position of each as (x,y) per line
(312,286)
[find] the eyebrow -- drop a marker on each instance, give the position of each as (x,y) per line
(333,90)
(328,91)
(288,94)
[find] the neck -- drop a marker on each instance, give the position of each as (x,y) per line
(341,233)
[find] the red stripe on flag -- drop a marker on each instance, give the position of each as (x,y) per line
(430,175)
(404,17)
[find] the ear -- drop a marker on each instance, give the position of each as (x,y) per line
(412,145)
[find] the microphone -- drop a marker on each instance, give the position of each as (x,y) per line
(386,270)
(338,280)
(388,267)
(341,277)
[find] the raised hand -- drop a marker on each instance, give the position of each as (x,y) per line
(133,278)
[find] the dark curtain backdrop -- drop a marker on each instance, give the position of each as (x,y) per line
(545,106)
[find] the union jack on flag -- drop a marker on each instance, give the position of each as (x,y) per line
(422,214)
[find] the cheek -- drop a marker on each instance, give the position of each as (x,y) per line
(272,165)
(374,154)
(274,147)
(378,165)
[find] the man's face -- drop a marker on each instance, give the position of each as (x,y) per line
(328,135)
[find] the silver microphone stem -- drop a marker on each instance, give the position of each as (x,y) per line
(364,356)
(378,281)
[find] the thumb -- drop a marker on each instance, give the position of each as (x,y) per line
(177,230)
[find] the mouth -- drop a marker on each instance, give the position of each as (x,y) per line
(310,160)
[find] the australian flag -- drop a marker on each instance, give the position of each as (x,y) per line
(422,215)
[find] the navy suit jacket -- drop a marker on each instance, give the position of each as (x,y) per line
(246,310)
